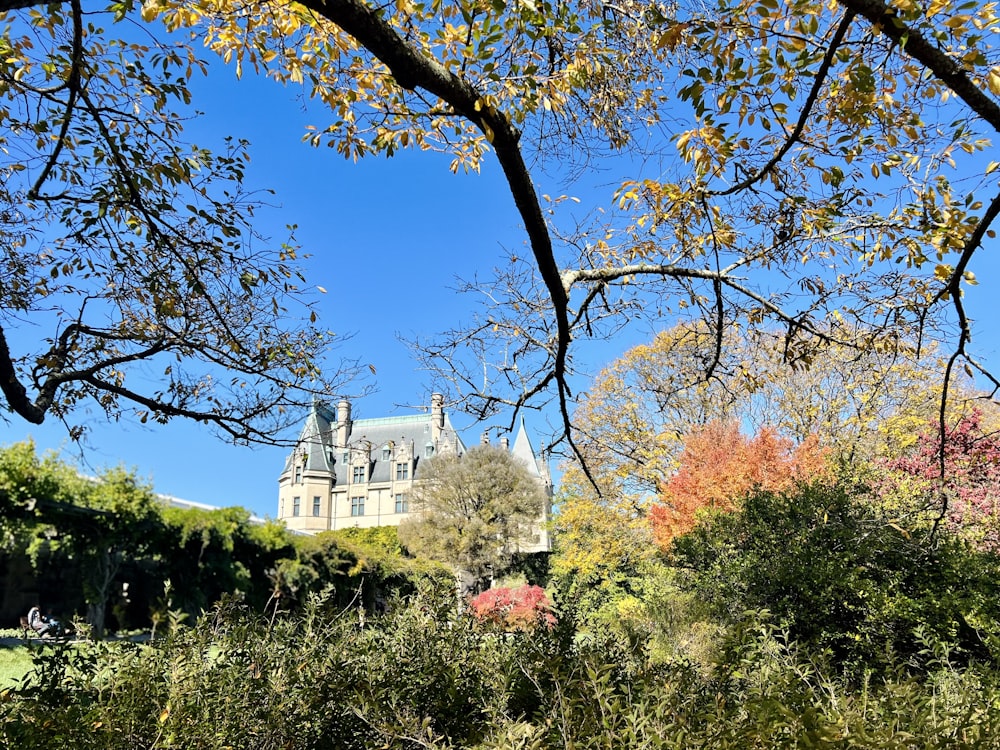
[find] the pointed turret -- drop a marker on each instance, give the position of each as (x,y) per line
(524,453)
(312,450)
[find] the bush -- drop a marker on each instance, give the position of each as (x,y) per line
(426,676)
(321,678)
(359,566)
(523,608)
(844,580)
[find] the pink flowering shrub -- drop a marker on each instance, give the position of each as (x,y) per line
(521,609)
(971,480)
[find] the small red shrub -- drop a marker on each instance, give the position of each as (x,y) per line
(521,609)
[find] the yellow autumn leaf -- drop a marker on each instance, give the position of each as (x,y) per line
(149,11)
(937,6)
(993,81)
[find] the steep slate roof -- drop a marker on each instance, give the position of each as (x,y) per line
(317,434)
(524,453)
(414,431)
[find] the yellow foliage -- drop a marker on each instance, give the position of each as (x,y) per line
(598,534)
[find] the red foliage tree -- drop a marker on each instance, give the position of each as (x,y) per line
(719,465)
(971,481)
(522,608)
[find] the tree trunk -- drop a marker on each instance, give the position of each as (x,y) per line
(101,577)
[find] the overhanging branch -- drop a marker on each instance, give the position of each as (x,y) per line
(413,69)
(928,54)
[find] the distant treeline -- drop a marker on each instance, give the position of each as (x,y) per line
(109,551)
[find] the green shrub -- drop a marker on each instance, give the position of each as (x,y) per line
(355,566)
(843,580)
(425,676)
(323,678)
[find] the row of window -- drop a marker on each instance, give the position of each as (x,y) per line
(360,473)
(297,506)
(387,452)
(357,505)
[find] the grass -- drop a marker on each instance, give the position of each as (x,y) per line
(15,662)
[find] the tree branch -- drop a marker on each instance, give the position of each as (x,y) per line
(928,54)
(13,390)
(412,69)
(804,115)
(9,5)
(73,83)
(954,285)
(605,275)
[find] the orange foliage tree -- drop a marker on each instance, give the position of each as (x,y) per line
(719,465)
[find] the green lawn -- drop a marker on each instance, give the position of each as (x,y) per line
(15,661)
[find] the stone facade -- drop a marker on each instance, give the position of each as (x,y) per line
(347,473)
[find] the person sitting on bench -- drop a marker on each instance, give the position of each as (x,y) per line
(39,622)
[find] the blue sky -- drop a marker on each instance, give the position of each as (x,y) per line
(388,238)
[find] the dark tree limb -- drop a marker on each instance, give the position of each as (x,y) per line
(12,388)
(800,125)
(412,70)
(928,54)
(72,83)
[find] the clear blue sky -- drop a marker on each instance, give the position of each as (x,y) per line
(388,237)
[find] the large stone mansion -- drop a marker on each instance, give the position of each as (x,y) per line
(348,472)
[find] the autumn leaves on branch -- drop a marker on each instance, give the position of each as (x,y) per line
(796,167)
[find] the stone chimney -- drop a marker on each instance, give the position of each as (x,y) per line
(343,423)
(485,439)
(505,443)
(437,417)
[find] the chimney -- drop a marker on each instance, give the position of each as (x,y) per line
(505,443)
(343,423)
(437,417)
(485,439)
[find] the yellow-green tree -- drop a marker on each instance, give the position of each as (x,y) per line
(474,512)
(634,419)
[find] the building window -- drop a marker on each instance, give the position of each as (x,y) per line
(296,505)
(428,450)
(316,505)
(386,453)
(357,506)
(402,472)
(359,474)
(344,457)
(298,473)
(402,504)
